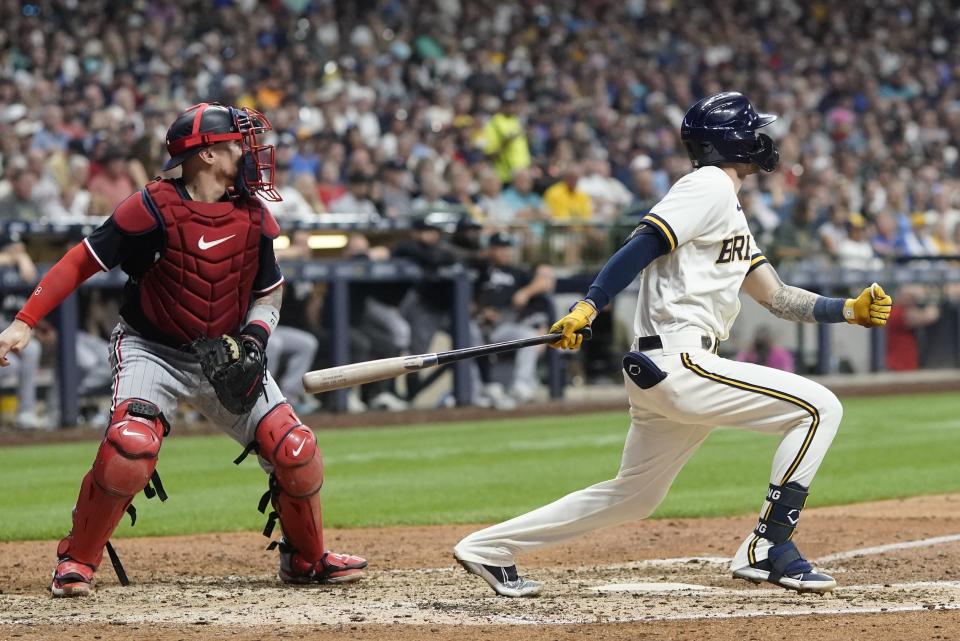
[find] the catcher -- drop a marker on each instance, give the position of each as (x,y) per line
(203,296)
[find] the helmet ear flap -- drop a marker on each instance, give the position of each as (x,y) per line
(699,152)
(766,155)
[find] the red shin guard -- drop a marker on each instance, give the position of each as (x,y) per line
(291,448)
(124,463)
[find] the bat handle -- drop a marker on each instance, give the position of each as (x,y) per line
(586,332)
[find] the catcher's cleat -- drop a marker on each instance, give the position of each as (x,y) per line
(504,581)
(331,569)
(71,578)
(786,567)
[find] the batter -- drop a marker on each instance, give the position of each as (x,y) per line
(694,254)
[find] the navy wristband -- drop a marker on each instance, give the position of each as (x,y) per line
(829,310)
(598,297)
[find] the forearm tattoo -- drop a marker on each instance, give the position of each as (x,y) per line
(793,304)
(273,298)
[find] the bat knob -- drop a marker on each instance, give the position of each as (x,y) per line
(587,333)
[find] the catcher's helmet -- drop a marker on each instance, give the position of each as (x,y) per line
(722,128)
(209,123)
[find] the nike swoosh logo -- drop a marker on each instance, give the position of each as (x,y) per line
(297,451)
(126,433)
(739,208)
(204,245)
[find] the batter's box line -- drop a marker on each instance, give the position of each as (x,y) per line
(890,547)
(689,616)
(829,558)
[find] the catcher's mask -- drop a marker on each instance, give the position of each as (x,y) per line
(209,123)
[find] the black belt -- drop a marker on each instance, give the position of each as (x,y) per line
(645,343)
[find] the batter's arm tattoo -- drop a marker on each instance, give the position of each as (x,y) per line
(763,284)
(792,303)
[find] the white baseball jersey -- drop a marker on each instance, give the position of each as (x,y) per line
(696,285)
(692,289)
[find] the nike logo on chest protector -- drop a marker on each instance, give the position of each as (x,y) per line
(204,245)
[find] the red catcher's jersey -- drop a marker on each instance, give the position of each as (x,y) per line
(202,283)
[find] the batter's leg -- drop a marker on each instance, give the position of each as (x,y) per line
(655,451)
(806,414)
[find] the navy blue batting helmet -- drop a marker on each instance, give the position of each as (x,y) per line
(723,127)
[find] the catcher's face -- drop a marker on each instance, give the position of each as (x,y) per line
(225,159)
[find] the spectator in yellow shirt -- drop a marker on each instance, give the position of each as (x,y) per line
(505,141)
(564,201)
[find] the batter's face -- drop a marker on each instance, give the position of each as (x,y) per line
(745,169)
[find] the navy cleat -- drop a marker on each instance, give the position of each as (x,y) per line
(786,567)
(504,581)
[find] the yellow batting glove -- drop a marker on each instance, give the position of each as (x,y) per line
(580,316)
(870,309)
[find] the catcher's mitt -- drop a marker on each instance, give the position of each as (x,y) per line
(235,367)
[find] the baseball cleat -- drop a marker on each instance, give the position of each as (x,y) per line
(331,569)
(786,567)
(504,581)
(71,578)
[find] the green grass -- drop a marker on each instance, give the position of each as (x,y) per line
(478,472)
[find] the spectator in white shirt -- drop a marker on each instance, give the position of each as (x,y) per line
(357,199)
(855,251)
(608,195)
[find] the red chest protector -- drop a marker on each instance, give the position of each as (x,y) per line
(201,285)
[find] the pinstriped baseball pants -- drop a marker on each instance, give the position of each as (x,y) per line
(669,421)
(165,376)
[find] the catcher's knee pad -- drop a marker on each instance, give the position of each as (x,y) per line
(291,448)
(781,518)
(125,461)
(128,453)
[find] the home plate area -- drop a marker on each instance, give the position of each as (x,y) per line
(657,590)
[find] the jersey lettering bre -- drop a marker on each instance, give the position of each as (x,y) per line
(697,284)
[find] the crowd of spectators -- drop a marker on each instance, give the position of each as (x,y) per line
(517,115)
(511,111)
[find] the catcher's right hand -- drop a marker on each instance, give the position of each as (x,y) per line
(580,316)
(13,339)
(870,309)
(235,367)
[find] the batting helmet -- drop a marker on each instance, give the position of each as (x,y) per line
(206,124)
(722,128)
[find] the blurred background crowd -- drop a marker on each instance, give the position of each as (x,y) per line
(544,128)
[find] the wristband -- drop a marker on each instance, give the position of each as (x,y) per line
(261,321)
(257,333)
(830,310)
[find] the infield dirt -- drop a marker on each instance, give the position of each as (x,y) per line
(224,586)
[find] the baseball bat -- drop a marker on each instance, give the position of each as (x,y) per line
(325,380)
